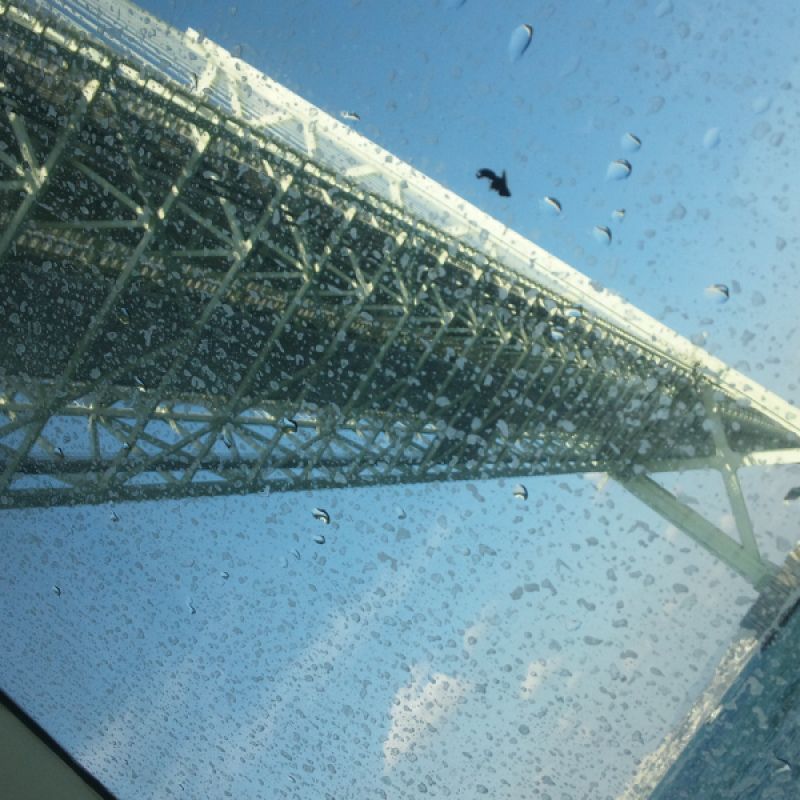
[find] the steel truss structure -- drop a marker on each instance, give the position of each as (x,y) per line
(209,286)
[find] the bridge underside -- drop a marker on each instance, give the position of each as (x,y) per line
(189,306)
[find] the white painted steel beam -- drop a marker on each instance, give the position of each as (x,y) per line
(739,558)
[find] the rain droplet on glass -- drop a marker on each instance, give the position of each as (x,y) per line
(114,516)
(718,292)
(521,492)
(319,539)
(619,170)
(630,142)
(663,9)
(618,214)
(602,234)
(322,515)
(401,514)
(519,41)
(792,494)
(551,206)
(557,333)
(224,575)
(288,425)
(350,115)
(761,104)
(57,591)
(711,138)
(785,765)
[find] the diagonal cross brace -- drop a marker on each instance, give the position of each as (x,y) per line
(738,557)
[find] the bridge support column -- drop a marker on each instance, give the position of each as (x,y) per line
(741,559)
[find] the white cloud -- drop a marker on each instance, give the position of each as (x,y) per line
(537,671)
(416,706)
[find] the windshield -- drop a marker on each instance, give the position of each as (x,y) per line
(396,398)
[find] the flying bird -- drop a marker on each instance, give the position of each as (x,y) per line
(498,182)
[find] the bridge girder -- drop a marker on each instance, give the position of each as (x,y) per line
(194,302)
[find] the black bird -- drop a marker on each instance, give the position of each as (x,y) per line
(498,182)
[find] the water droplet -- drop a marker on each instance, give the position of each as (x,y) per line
(350,115)
(209,175)
(678,212)
(57,591)
(570,66)
(114,516)
(524,730)
(296,554)
(139,383)
(124,317)
(519,41)
(557,333)
(573,313)
(630,142)
(662,9)
(551,206)
(792,494)
(322,515)
(619,170)
(191,607)
(785,765)
(521,492)
(602,234)
(319,539)
(761,104)
(618,214)
(288,425)
(718,292)
(711,138)
(59,452)
(224,575)
(401,514)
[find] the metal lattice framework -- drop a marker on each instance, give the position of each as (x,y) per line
(209,286)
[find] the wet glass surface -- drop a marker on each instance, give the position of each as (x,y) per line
(321,480)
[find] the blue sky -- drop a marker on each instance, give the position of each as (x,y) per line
(445,646)
(435,86)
